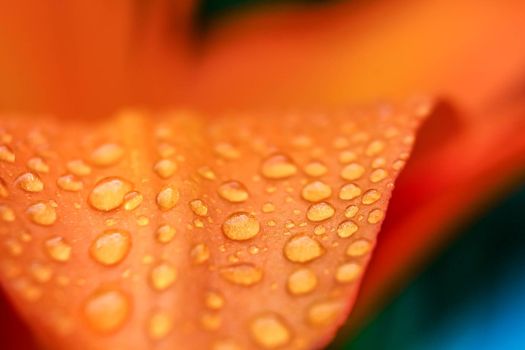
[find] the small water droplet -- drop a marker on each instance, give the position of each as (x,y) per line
(347,229)
(320,212)
(348,272)
(165,233)
(132,200)
(168,197)
(374,148)
(200,253)
(270,331)
(358,248)
(69,183)
(347,157)
(110,247)
(162,276)
(268,207)
(302,249)
(378,175)
(351,211)
(233,191)
(316,191)
(206,173)
(243,274)
(375,216)
(199,207)
(241,226)
(6,154)
(41,272)
(58,249)
(42,213)
(352,171)
(7,214)
(302,281)
(349,192)
(106,310)
(214,300)
(160,324)
(78,167)
(30,182)
(227,151)
(108,193)
(38,164)
(371,196)
(323,313)
(106,154)
(165,168)
(278,166)
(315,169)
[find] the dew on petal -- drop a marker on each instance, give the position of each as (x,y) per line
(106,311)
(108,193)
(278,166)
(302,249)
(110,247)
(302,281)
(241,226)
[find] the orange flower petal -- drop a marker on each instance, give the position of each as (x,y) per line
(190,231)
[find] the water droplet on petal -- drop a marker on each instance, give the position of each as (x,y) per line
(375,216)
(38,164)
(163,276)
(243,274)
(378,175)
(371,196)
(132,200)
(7,214)
(374,148)
(214,300)
(227,151)
(106,154)
(352,171)
(302,281)
(200,253)
(347,229)
(358,248)
(324,313)
(302,249)
(269,331)
(58,249)
(41,272)
(108,193)
(320,212)
(233,191)
(6,154)
(268,207)
(110,247)
(241,226)
(42,213)
(199,207)
(315,169)
(168,197)
(69,183)
(316,191)
(106,310)
(160,324)
(165,233)
(165,168)
(78,167)
(348,272)
(349,192)
(206,173)
(30,182)
(278,166)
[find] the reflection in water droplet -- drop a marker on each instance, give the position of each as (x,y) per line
(320,212)
(42,213)
(108,193)
(58,249)
(241,226)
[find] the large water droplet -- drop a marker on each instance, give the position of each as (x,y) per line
(42,213)
(270,331)
(108,193)
(316,191)
(302,281)
(30,182)
(278,166)
(233,191)
(106,154)
(320,212)
(352,171)
(302,249)
(165,168)
(347,229)
(241,226)
(110,247)
(168,197)
(106,310)
(243,274)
